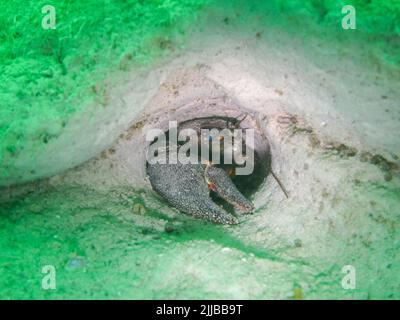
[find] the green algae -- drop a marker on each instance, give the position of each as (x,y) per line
(101,249)
(47,75)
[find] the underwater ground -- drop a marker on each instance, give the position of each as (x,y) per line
(73,107)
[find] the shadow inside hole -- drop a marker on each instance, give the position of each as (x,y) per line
(246,184)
